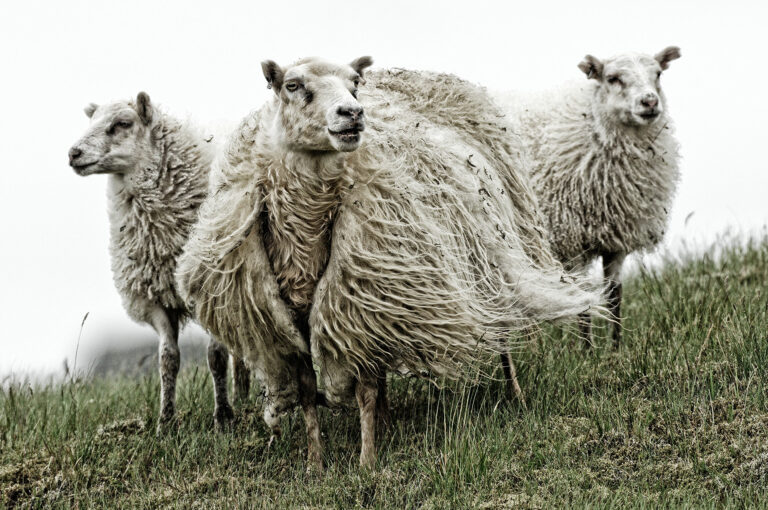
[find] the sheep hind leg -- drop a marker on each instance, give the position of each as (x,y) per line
(308,399)
(611,271)
(166,324)
(383,416)
(242,377)
(510,377)
(218,356)
(585,329)
(366,393)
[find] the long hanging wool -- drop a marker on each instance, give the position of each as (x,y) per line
(423,248)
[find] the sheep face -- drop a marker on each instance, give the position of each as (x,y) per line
(318,108)
(118,140)
(629,86)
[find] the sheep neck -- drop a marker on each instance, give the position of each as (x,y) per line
(302,194)
(176,162)
(613,135)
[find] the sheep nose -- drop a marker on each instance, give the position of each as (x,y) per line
(354,112)
(650,100)
(74,153)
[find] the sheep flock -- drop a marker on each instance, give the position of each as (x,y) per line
(364,223)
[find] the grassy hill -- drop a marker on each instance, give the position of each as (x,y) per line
(677,416)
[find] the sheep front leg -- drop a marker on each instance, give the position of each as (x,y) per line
(166,324)
(366,393)
(308,399)
(611,270)
(242,378)
(218,357)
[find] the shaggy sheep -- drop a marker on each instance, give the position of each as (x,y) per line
(418,249)
(605,163)
(158,177)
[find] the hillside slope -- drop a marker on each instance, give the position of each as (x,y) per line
(678,415)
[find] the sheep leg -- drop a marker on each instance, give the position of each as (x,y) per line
(510,376)
(585,328)
(366,393)
(308,399)
(242,377)
(166,323)
(218,356)
(383,417)
(611,271)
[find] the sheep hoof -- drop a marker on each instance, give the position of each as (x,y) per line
(166,425)
(224,418)
(368,461)
(275,434)
(314,462)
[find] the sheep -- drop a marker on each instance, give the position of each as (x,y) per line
(158,176)
(419,248)
(605,164)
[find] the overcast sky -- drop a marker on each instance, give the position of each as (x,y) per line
(202,59)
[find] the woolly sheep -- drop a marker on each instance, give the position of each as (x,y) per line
(158,177)
(419,248)
(605,163)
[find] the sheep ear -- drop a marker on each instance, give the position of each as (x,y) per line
(90,109)
(667,55)
(144,108)
(592,67)
(274,75)
(360,65)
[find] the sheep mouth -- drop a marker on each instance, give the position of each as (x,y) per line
(649,115)
(350,135)
(80,168)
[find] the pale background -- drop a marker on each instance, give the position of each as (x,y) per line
(202,58)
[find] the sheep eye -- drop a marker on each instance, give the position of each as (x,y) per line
(291,86)
(124,124)
(613,80)
(356,82)
(658,75)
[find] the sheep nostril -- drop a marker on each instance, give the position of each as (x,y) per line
(650,102)
(354,112)
(74,153)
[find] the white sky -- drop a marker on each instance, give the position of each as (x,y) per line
(202,58)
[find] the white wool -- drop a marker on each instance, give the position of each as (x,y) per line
(437,250)
(603,187)
(159,170)
(150,220)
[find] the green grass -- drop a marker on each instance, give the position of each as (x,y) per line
(677,416)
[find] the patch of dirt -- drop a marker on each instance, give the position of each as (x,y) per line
(34,477)
(119,429)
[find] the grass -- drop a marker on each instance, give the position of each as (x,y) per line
(676,416)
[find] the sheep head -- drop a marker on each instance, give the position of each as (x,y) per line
(629,85)
(318,108)
(118,140)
